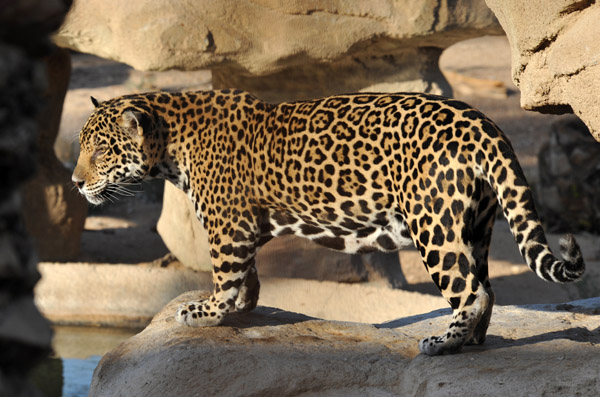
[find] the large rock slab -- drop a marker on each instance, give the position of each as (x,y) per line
(283,50)
(264,36)
(181,230)
(555,51)
(531,350)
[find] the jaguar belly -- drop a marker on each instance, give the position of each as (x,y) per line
(384,233)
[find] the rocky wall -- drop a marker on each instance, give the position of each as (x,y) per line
(24,334)
(555,55)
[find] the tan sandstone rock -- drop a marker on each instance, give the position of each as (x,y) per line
(266,36)
(555,55)
(181,231)
(531,350)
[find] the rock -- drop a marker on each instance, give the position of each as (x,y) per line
(129,296)
(464,85)
(569,183)
(54,211)
(290,256)
(284,50)
(181,231)
(555,55)
(403,69)
(25,335)
(270,352)
(266,37)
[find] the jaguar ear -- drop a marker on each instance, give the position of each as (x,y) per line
(95,101)
(131,121)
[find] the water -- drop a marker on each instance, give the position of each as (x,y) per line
(77,351)
(77,375)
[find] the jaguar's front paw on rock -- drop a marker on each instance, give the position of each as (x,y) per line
(197,314)
(429,346)
(438,345)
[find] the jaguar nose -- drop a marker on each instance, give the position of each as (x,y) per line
(77,182)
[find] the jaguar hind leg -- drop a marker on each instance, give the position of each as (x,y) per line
(482,235)
(468,312)
(452,268)
(480,331)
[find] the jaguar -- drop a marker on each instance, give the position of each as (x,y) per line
(354,173)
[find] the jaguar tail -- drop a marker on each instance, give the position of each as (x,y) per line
(507,179)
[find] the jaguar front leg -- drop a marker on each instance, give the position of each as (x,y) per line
(235,280)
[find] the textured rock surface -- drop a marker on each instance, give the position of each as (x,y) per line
(531,350)
(569,187)
(24,333)
(284,50)
(290,256)
(555,55)
(264,37)
(54,211)
(119,295)
(181,231)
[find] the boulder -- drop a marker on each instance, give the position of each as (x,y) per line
(291,256)
(54,211)
(181,231)
(555,51)
(531,350)
(261,38)
(129,296)
(569,183)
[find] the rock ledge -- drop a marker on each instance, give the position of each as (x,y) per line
(531,350)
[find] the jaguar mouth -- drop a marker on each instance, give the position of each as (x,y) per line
(96,199)
(109,191)
(94,193)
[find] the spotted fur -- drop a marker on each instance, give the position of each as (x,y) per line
(354,173)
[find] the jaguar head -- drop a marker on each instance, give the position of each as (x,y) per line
(114,144)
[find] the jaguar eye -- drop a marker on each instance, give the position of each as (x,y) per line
(99,153)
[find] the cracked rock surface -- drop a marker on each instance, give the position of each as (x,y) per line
(264,36)
(531,350)
(555,55)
